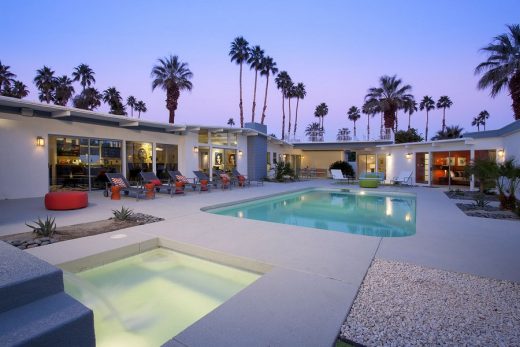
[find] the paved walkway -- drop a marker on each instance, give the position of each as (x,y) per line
(311,276)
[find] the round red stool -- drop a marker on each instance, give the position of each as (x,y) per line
(66,200)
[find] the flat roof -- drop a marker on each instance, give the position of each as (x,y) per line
(340,146)
(38,109)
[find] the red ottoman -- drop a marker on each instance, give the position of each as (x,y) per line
(66,200)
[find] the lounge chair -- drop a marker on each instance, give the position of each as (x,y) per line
(117,179)
(238,176)
(150,177)
(405,177)
(338,176)
(201,176)
(177,176)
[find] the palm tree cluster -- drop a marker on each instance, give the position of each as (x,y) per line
(241,53)
(59,90)
(9,86)
(314,132)
(391,96)
(480,120)
(449,132)
(343,134)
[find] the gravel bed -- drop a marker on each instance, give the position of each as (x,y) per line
(401,304)
(487,212)
(467,195)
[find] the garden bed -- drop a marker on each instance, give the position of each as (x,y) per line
(467,195)
(487,212)
(30,239)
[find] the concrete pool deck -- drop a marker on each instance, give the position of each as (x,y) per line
(311,276)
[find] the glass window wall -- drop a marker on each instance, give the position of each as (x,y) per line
(138,158)
(166,159)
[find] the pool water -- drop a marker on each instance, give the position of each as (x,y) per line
(362,212)
(146,299)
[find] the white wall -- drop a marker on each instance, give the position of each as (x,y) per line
(321,159)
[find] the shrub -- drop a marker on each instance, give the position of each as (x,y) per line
(346,168)
(123,214)
(480,201)
(283,169)
(485,171)
(45,228)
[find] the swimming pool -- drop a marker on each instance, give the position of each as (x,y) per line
(356,212)
(147,299)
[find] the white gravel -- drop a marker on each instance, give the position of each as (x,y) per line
(401,304)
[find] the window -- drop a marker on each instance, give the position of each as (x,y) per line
(166,159)
(138,158)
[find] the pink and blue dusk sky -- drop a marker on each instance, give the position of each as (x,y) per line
(338,49)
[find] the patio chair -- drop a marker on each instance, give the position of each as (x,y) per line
(150,177)
(117,179)
(404,178)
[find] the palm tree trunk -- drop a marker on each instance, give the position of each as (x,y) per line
(426,131)
(514,91)
(443,119)
(354,129)
(289,132)
(139,116)
(409,119)
(240,104)
(265,99)
(396,123)
(283,116)
(296,117)
(172,95)
(368,127)
(132,112)
(254,98)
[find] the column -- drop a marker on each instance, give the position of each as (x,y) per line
(154,157)
(472,178)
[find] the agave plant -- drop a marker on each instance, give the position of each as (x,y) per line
(45,228)
(123,214)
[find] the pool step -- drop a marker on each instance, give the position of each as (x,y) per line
(34,309)
(56,320)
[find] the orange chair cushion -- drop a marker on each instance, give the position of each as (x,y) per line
(156,182)
(66,200)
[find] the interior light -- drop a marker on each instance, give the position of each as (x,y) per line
(501,152)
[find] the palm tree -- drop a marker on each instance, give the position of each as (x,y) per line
(477,121)
(427,104)
(289,94)
(502,67)
(354,114)
(450,132)
(46,83)
(131,101)
(410,106)
(391,95)
(113,98)
(89,99)
(84,74)
(171,75)
(321,111)
(483,115)
(64,90)
(282,82)
(17,90)
(239,53)
(444,102)
(6,76)
(300,94)
(313,131)
(256,54)
(231,122)
(268,68)
(140,106)
(371,107)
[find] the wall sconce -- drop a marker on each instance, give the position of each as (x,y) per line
(196,149)
(240,153)
(40,141)
(408,155)
(501,152)
(388,154)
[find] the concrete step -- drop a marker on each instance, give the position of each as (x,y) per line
(56,320)
(25,278)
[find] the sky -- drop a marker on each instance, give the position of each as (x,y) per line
(338,49)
